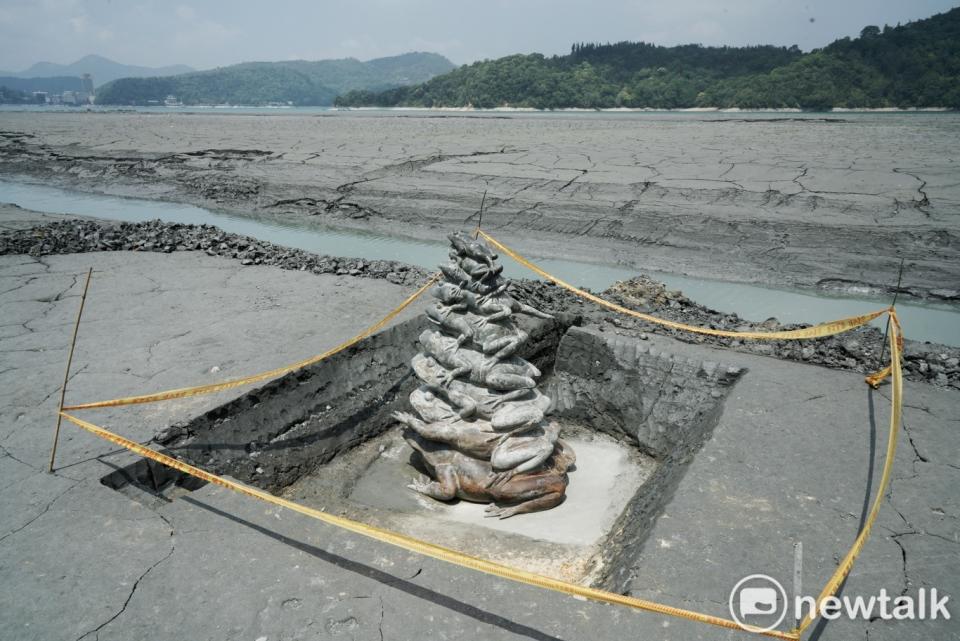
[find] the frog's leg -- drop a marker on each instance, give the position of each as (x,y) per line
(522,454)
(511,417)
(544,502)
(450,375)
(469,438)
(436,431)
(505,381)
(509,396)
(501,348)
(465,405)
(518,454)
(443,489)
(531,311)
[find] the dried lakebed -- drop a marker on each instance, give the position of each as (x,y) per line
(790,202)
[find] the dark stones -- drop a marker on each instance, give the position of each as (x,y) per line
(79,236)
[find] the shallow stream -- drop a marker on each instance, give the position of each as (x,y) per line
(939,324)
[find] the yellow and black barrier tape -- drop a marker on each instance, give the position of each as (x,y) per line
(419,546)
(263,376)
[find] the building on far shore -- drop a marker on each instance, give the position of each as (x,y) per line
(83,96)
(74,98)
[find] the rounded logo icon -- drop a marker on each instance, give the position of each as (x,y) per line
(758,603)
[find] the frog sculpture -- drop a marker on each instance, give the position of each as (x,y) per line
(480,427)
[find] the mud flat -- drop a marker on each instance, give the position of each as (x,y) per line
(825,203)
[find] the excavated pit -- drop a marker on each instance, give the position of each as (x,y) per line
(323,436)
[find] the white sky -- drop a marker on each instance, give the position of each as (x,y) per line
(211,33)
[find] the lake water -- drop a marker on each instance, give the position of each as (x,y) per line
(940,324)
(413,112)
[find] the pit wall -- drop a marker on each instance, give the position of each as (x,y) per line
(273,435)
(665,405)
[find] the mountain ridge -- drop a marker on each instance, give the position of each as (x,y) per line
(101,68)
(298,82)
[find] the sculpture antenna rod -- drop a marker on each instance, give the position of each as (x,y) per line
(886,332)
(66,374)
(476,234)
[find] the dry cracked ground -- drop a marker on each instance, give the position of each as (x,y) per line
(793,457)
(808,201)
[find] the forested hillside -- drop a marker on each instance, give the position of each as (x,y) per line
(55,84)
(914,65)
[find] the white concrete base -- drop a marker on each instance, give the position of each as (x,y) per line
(606,477)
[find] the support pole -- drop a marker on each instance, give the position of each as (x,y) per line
(66,375)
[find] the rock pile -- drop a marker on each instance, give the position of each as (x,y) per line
(77,236)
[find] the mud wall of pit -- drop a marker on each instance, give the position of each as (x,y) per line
(664,404)
(273,435)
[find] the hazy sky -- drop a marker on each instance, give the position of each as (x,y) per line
(210,33)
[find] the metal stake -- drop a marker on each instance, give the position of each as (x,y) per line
(66,375)
(797,579)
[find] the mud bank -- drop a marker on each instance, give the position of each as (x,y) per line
(858,350)
(828,204)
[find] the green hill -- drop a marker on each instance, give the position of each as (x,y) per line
(54,84)
(299,82)
(914,65)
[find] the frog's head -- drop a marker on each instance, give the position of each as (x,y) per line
(448,293)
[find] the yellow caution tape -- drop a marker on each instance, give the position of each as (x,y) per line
(874,380)
(896,407)
(482,565)
(280,371)
(817,331)
(419,546)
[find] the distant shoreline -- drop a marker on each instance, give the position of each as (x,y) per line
(275,108)
(653,110)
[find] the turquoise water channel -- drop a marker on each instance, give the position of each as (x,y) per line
(939,324)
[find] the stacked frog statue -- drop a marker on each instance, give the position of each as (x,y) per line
(479,427)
